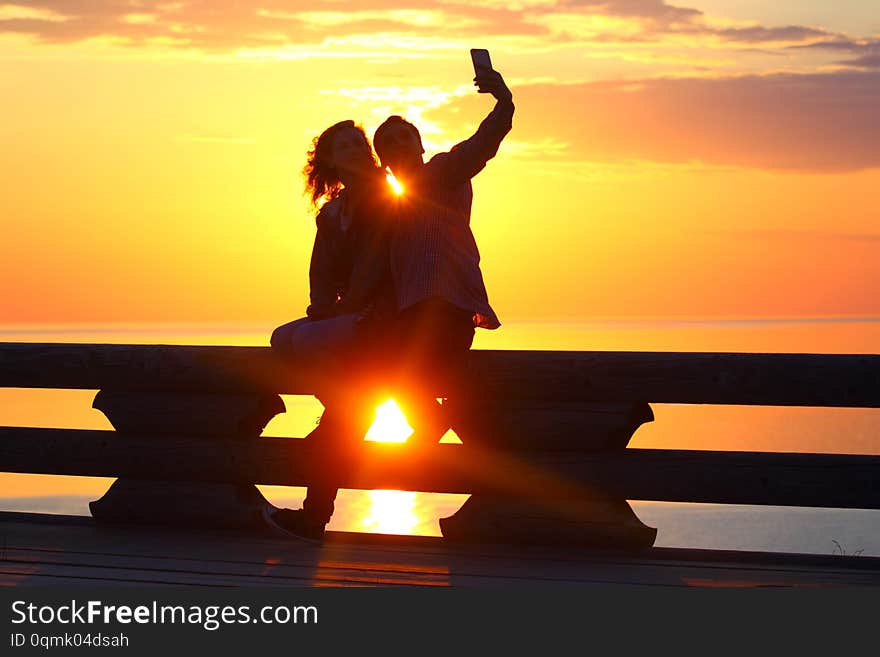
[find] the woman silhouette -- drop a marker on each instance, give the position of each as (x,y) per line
(350,296)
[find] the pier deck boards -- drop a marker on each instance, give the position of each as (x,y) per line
(38,549)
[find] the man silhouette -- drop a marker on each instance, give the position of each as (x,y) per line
(435,262)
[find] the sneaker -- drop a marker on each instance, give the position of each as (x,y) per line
(293,524)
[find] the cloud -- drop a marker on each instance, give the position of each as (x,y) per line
(193,24)
(867,56)
(656,10)
(237,24)
(809,122)
(761,34)
(870,60)
(865,52)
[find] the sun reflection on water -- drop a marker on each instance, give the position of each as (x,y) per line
(391,512)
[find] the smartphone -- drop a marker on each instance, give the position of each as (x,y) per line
(480,58)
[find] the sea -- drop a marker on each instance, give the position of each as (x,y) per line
(676,426)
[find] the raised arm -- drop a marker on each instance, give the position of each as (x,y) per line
(466,159)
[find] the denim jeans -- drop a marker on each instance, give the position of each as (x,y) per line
(321,338)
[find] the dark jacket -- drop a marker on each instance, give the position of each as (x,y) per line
(350,266)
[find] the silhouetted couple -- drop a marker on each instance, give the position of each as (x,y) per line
(395,284)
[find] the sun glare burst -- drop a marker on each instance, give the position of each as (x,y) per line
(395,183)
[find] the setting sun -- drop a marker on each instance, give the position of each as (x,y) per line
(390,425)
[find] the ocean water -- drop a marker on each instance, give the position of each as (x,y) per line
(784,529)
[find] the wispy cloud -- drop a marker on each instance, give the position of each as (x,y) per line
(815,122)
(224,25)
(21,11)
(864,53)
(761,34)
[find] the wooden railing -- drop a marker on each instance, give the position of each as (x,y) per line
(543,433)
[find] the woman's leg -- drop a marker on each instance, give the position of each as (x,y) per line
(282,337)
(320,338)
(346,418)
(344,423)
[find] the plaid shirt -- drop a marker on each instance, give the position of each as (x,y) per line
(433,253)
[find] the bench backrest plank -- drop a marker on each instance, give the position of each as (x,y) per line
(842,380)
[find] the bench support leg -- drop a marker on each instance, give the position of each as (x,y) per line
(189,504)
(548,508)
(141,501)
(600,524)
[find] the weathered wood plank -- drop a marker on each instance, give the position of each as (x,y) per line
(147,367)
(131,567)
(37,544)
(546,425)
(816,480)
(686,378)
(689,378)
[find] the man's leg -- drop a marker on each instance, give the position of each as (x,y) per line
(436,338)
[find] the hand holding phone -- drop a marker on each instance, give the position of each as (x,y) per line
(481,60)
(487,79)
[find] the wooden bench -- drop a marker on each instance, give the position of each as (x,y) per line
(544,437)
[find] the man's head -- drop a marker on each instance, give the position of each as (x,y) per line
(398,145)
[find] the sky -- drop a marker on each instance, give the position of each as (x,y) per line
(708,158)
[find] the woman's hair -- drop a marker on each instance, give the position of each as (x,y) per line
(322,179)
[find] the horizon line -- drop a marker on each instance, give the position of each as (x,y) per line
(223,326)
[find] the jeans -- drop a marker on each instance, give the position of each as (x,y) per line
(322,338)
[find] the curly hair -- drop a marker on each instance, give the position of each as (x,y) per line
(322,179)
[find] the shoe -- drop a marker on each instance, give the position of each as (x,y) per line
(293,524)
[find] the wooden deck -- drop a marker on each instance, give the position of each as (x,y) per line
(37,549)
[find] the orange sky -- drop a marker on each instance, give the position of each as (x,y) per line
(712,158)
